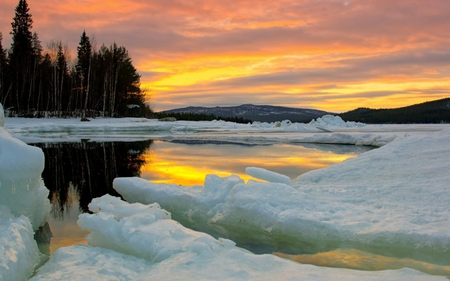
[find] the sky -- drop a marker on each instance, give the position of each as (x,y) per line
(332,55)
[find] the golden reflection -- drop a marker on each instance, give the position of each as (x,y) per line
(63,227)
(188,165)
(356,259)
(65,242)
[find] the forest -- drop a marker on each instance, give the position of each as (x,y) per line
(437,111)
(44,83)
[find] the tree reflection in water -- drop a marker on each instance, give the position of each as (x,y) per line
(86,170)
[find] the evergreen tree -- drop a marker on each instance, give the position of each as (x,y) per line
(83,69)
(21,54)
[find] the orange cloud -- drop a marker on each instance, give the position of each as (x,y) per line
(333,55)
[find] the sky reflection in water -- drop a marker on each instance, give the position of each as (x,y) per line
(188,164)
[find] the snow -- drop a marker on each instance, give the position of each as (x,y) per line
(330,121)
(81,263)
(19,252)
(24,206)
(141,242)
(391,201)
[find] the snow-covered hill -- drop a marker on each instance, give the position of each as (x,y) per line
(263,113)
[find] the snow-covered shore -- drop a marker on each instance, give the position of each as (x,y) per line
(391,201)
(328,129)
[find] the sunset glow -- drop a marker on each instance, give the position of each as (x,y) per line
(333,55)
(188,165)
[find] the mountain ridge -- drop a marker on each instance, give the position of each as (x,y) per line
(262,113)
(436,111)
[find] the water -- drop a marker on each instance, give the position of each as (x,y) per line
(75,173)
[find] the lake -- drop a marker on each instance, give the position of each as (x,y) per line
(77,172)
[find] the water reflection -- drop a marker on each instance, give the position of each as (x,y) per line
(187,163)
(75,173)
(355,259)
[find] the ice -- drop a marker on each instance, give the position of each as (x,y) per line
(81,263)
(267,175)
(158,248)
(328,129)
(24,206)
(330,121)
(391,201)
(19,254)
(21,187)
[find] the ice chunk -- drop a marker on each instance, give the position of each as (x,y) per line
(81,263)
(23,205)
(21,187)
(267,175)
(145,231)
(19,253)
(168,251)
(333,121)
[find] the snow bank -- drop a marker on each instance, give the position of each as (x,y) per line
(330,121)
(154,247)
(353,139)
(24,206)
(391,201)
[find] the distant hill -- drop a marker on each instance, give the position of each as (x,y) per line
(262,113)
(437,111)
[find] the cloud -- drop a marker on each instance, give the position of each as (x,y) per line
(300,52)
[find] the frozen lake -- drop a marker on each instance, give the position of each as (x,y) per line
(77,172)
(383,214)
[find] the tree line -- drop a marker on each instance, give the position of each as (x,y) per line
(38,83)
(190,116)
(437,111)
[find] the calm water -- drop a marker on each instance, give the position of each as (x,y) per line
(75,173)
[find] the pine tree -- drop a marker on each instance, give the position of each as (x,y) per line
(21,55)
(83,68)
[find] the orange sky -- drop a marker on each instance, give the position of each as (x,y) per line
(333,55)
